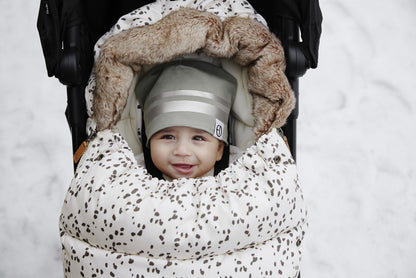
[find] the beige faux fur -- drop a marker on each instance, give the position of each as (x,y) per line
(185,31)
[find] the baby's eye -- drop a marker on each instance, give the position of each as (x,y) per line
(198,138)
(168,137)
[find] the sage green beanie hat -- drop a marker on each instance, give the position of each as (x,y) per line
(187,93)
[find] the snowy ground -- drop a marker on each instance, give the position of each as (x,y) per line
(356,145)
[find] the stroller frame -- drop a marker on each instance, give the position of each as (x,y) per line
(68,30)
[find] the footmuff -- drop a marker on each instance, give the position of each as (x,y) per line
(247,221)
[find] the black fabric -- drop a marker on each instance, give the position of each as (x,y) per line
(224,162)
(65,40)
(306,14)
(49,28)
(103,14)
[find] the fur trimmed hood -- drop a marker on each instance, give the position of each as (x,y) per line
(245,41)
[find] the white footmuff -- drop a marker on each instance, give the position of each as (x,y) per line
(247,221)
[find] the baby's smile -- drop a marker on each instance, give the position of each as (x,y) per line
(184,169)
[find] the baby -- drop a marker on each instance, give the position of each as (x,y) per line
(186,105)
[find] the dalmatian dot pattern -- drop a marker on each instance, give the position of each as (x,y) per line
(118,221)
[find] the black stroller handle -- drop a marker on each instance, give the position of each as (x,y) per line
(288,19)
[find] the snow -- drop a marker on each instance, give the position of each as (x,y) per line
(355,145)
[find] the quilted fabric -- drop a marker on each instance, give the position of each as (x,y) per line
(248,221)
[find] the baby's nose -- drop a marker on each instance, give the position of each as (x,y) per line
(182,148)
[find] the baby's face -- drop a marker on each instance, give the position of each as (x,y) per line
(184,152)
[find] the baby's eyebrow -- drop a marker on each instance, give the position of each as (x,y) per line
(200,131)
(168,129)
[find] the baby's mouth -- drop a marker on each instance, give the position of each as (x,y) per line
(183,168)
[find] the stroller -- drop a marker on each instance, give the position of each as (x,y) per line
(116,219)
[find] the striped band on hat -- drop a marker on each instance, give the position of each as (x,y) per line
(187,93)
